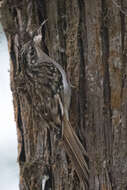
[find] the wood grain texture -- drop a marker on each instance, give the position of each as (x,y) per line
(88,38)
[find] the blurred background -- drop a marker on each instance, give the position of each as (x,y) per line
(8,139)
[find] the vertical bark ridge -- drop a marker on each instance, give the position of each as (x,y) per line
(123,51)
(82,48)
(107,110)
(106,82)
(61,22)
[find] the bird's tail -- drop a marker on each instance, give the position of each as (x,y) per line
(76,152)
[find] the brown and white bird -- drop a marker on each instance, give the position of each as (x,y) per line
(53,103)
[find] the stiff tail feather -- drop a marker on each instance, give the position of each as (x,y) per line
(75,151)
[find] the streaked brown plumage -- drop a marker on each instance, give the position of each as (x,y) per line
(52,101)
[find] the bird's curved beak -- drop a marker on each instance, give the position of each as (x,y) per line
(43,23)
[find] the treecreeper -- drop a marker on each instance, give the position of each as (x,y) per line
(53,102)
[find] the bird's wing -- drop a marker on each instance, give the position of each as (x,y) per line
(49,101)
(45,81)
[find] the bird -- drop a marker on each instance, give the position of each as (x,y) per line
(52,102)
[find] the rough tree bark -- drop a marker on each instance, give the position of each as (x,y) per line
(89,39)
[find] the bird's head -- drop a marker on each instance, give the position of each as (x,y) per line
(35,41)
(38,34)
(37,38)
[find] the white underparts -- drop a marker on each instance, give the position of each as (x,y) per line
(44,179)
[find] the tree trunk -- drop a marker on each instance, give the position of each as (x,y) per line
(88,38)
